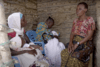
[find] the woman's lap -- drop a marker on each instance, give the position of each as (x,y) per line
(70,61)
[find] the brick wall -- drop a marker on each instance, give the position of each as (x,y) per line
(97,40)
(28,8)
(63,12)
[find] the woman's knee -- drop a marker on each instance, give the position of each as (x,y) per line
(64,52)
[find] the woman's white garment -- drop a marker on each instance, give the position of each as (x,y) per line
(53,49)
(26,59)
(16,44)
(14,22)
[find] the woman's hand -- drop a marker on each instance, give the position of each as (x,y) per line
(70,46)
(71,42)
(41,48)
(35,46)
(74,47)
(33,52)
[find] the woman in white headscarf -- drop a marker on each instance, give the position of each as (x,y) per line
(27,55)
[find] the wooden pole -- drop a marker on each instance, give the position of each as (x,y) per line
(5,54)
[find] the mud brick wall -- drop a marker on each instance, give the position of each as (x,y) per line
(97,38)
(27,7)
(63,12)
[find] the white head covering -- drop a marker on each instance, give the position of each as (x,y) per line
(14,22)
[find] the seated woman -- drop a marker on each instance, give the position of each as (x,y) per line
(44,27)
(78,50)
(19,47)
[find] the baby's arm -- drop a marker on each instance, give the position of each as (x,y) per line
(36,47)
